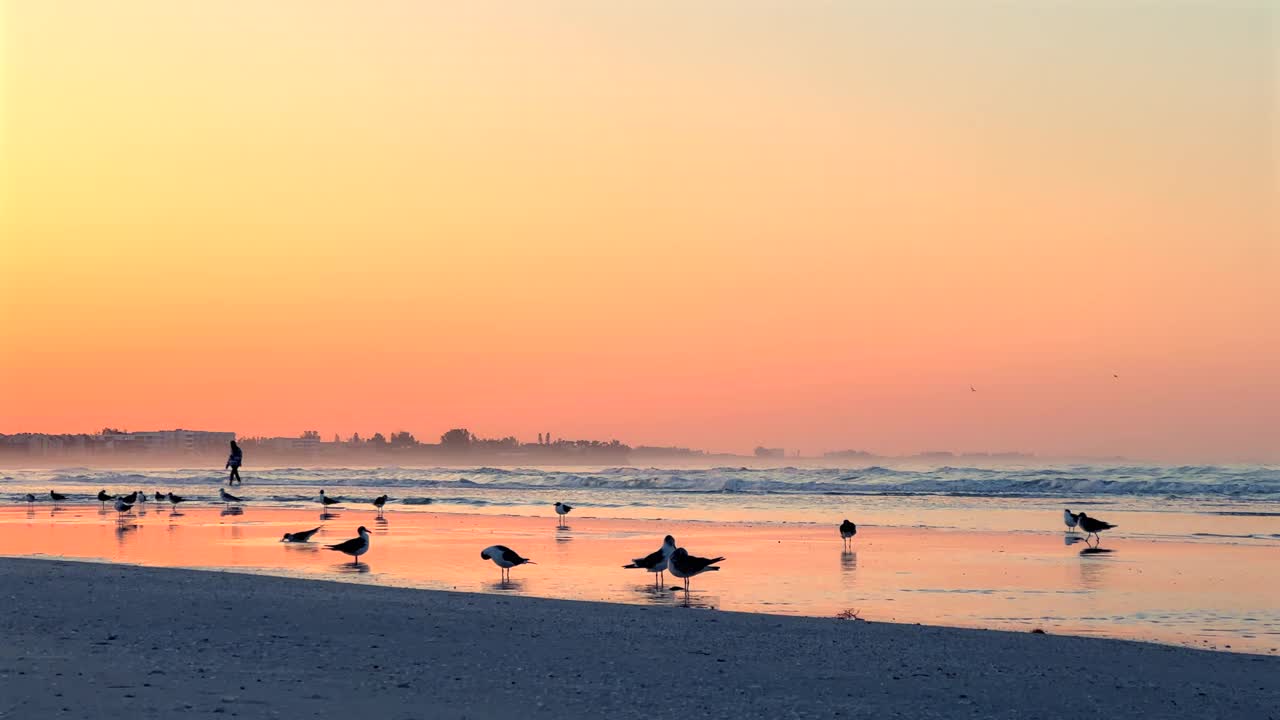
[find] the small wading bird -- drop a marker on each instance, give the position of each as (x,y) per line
(355,547)
(847,531)
(656,561)
(1093,526)
(299,537)
(122,507)
(683,565)
(30,498)
(1070,519)
(131,498)
(505,558)
(326,501)
(175,499)
(562,510)
(161,497)
(228,497)
(104,498)
(56,496)
(379,502)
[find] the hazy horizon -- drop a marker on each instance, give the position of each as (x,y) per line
(804,225)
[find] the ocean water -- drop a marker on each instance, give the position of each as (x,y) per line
(1201,503)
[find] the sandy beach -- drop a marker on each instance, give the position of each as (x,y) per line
(91,640)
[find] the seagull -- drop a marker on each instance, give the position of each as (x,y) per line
(161,497)
(1093,526)
(355,547)
(326,501)
(227,497)
(30,498)
(104,498)
(379,501)
(1115,375)
(175,499)
(505,558)
(1070,519)
(973,389)
(57,496)
(562,510)
(142,497)
(122,507)
(656,561)
(684,565)
(847,531)
(131,498)
(299,537)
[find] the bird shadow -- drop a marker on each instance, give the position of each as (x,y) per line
(381,522)
(1070,540)
(231,510)
(848,561)
(1095,551)
(328,515)
(562,534)
(349,569)
(693,600)
(507,586)
(302,547)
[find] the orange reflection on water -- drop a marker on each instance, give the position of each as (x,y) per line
(1189,593)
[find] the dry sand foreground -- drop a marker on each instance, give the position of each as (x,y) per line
(84,640)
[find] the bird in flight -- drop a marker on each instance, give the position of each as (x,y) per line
(973,389)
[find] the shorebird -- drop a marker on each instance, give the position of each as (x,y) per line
(104,498)
(175,499)
(122,507)
(299,537)
(161,497)
(131,498)
(142,497)
(562,510)
(30,498)
(380,501)
(227,497)
(656,561)
(56,496)
(505,558)
(683,565)
(847,531)
(1070,519)
(1093,526)
(326,501)
(355,547)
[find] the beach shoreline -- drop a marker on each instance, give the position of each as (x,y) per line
(103,640)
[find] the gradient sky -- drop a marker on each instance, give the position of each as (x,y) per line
(803,224)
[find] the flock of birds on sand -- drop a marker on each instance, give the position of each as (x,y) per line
(669,557)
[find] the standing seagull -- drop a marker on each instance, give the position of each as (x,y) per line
(1070,519)
(131,498)
(104,498)
(122,507)
(30,498)
(161,497)
(299,537)
(175,499)
(228,497)
(505,558)
(379,502)
(355,547)
(684,565)
(1093,526)
(562,510)
(326,501)
(56,496)
(847,531)
(656,561)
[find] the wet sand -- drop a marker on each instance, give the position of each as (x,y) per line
(92,640)
(1194,594)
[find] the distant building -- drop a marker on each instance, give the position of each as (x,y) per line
(771,453)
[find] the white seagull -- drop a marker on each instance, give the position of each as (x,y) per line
(562,510)
(505,558)
(355,547)
(683,565)
(1070,519)
(656,561)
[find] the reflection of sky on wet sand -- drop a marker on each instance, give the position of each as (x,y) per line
(1193,593)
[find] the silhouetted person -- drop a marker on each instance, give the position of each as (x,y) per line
(233,462)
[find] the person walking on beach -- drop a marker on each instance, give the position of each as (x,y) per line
(233,462)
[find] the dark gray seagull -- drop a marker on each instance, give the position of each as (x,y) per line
(355,547)
(227,497)
(56,496)
(1093,526)
(326,501)
(379,502)
(299,537)
(656,561)
(683,565)
(847,531)
(505,558)
(104,498)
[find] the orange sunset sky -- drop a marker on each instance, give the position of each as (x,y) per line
(805,224)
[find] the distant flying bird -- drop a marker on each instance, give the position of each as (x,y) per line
(683,565)
(973,389)
(326,501)
(104,498)
(355,547)
(379,502)
(57,496)
(30,498)
(656,561)
(299,537)
(562,510)
(1070,519)
(847,531)
(1093,526)
(227,497)
(505,558)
